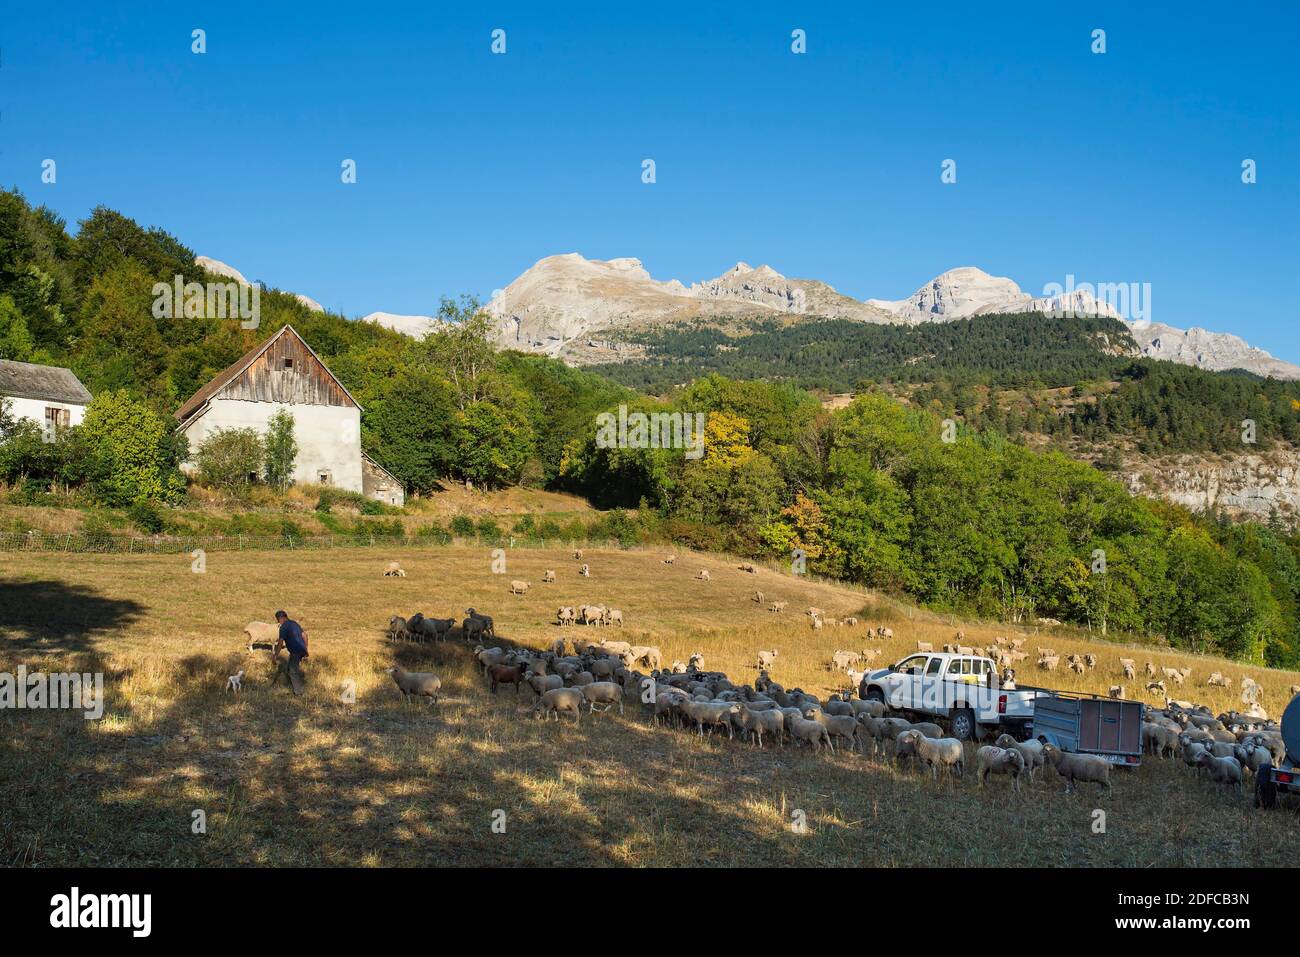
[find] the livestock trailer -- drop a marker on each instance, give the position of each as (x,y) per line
(1110,728)
(1285,778)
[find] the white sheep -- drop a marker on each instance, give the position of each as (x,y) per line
(560,699)
(548,576)
(937,753)
(423,684)
(262,634)
(1222,770)
(394,570)
(813,732)
(607,693)
(1031,751)
(994,760)
(703,576)
(518,587)
(766,658)
(235,682)
(1078,767)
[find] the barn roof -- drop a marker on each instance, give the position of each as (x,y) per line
(233,371)
(25,380)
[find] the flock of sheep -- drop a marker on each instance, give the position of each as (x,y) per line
(599,675)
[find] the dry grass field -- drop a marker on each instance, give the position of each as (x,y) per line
(318,781)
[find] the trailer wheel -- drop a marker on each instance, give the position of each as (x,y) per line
(1265,788)
(963,725)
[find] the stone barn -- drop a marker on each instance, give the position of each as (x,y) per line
(285,373)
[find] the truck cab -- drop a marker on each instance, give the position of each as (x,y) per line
(963,689)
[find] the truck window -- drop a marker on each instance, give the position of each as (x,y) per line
(935,665)
(912,666)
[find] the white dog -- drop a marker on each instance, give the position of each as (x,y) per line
(235,682)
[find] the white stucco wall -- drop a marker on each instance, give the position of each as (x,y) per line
(34,409)
(328,436)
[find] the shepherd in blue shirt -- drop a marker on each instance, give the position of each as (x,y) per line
(294,640)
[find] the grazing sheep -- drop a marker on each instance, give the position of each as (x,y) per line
(1090,660)
(577,554)
(416,684)
(711,713)
(1218,680)
(936,752)
(1117,691)
(1031,751)
(397,629)
(884,632)
(499,674)
(994,760)
(841,660)
(585,571)
(766,658)
(560,699)
(777,607)
(754,722)
(1049,662)
(565,616)
(1129,667)
(543,683)
(1222,770)
(607,693)
(815,622)
(548,576)
(518,587)
(1078,767)
(1156,688)
(812,732)
(757,596)
(671,559)
(394,570)
(703,576)
(489,629)
(1157,739)
(748,567)
(613,615)
(557,647)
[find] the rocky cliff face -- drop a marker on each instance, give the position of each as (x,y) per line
(1215,351)
(1250,485)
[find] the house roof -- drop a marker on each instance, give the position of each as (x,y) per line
(223,378)
(25,380)
(366,459)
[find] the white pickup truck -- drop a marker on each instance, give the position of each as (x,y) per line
(964,689)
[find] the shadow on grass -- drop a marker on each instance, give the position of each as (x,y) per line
(55,617)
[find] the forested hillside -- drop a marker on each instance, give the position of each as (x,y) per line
(876,493)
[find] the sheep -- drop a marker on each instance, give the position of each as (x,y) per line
(560,699)
(607,693)
(1151,670)
(542,683)
(870,728)
(671,559)
(235,683)
(924,646)
(841,660)
(585,570)
(518,587)
(577,554)
(1031,751)
(813,732)
(777,607)
(697,662)
(765,659)
(936,752)
(815,612)
(423,684)
(1218,680)
(505,674)
(1222,770)
(703,576)
(565,616)
(711,713)
(757,597)
(1156,688)
(815,622)
(1090,660)
(755,722)
(1158,739)
(850,622)
(838,726)
(394,570)
(1049,662)
(488,656)
(613,615)
(548,576)
(1078,767)
(1116,691)
(1129,667)
(876,709)
(884,632)
(994,760)
(262,635)
(748,567)
(397,629)
(489,629)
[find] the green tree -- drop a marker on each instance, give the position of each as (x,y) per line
(230,458)
(281,450)
(140,450)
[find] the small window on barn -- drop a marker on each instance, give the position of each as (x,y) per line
(288,362)
(324,478)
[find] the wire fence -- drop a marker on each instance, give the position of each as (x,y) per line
(109,544)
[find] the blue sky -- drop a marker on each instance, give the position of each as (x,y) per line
(1119,167)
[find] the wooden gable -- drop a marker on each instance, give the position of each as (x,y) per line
(283,369)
